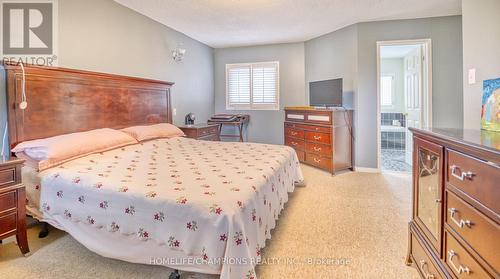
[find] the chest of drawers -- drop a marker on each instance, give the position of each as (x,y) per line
(321,138)
(13,203)
(455,227)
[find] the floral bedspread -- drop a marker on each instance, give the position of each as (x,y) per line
(216,201)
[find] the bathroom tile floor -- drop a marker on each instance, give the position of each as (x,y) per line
(394,160)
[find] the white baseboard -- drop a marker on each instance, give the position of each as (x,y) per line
(372,170)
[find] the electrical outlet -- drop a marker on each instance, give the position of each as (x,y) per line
(472,76)
(174,111)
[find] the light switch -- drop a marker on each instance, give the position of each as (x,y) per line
(174,111)
(472,76)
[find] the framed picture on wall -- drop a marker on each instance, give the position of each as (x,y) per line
(490,109)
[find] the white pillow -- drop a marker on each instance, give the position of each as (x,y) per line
(53,151)
(147,132)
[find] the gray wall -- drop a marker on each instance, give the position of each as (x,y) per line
(350,53)
(265,126)
(481,44)
(333,55)
(394,66)
(446,36)
(107,37)
(104,36)
(3,109)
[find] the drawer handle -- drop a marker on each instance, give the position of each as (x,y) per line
(460,269)
(425,270)
(462,175)
(317,148)
(317,160)
(460,223)
(317,129)
(293,133)
(317,137)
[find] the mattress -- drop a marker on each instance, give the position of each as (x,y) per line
(200,206)
(32,181)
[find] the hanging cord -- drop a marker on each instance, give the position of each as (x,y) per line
(24,102)
(349,127)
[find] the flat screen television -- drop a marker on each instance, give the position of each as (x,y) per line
(325,93)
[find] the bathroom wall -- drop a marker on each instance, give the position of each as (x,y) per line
(394,66)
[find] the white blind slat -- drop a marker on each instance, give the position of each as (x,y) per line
(252,86)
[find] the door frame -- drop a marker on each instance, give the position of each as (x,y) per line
(426,98)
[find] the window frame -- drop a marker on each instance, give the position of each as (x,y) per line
(393,89)
(251,105)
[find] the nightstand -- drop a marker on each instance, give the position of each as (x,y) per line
(13,202)
(201,131)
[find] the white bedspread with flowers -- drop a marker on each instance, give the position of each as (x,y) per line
(215,201)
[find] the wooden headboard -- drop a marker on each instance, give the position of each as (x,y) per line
(62,101)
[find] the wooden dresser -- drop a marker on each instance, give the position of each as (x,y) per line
(201,131)
(455,227)
(321,137)
(13,203)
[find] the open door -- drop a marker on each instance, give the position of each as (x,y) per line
(413,96)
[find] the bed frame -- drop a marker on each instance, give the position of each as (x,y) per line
(62,101)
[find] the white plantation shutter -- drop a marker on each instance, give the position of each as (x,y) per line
(238,79)
(265,83)
(252,86)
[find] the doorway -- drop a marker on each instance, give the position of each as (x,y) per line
(404,75)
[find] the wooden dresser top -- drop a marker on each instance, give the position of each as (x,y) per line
(486,142)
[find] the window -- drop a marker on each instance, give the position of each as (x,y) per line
(252,86)
(387,90)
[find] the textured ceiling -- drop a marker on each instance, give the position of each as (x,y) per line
(229,23)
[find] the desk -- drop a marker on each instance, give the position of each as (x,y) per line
(240,123)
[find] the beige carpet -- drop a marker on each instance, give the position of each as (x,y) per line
(353,225)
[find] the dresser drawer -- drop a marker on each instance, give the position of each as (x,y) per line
(295,143)
(320,129)
(318,137)
(7,176)
(460,262)
(481,233)
(309,127)
(294,133)
(8,224)
(475,178)
(212,137)
(208,131)
(8,201)
(295,115)
(320,117)
(319,161)
(423,262)
(321,149)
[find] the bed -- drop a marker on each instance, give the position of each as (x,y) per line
(191,205)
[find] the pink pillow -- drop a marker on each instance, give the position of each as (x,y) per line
(162,130)
(53,151)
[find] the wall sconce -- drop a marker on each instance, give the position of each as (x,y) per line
(178,54)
